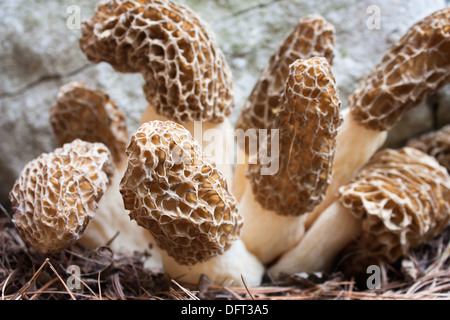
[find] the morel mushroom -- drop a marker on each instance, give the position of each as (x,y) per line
(399,199)
(312,36)
(81,112)
(274,204)
(187,77)
(417,65)
(57,194)
(174,190)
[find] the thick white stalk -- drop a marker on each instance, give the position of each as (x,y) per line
(227,269)
(355,146)
(332,231)
(265,233)
(240,180)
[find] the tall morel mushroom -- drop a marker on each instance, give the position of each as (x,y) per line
(82,112)
(399,199)
(187,77)
(312,36)
(274,204)
(417,65)
(57,194)
(174,190)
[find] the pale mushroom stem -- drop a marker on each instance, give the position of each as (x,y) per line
(333,230)
(356,144)
(275,233)
(232,268)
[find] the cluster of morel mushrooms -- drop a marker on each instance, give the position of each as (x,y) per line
(337,198)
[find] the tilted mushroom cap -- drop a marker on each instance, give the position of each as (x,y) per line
(178,194)
(312,36)
(403,199)
(83,113)
(57,194)
(187,77)
(308,122)
(436,144)
(416,65)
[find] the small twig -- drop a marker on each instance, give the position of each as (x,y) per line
(245,285)
(192,296)
(42,290)
(6,281)
(23,291)
(99,287)
(112,239)
(2,209)
(85,284)
(118,287)
(62,281)
(234,294)
(350,291)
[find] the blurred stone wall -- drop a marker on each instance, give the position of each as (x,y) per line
(39,53)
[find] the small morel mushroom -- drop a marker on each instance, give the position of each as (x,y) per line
(187,77)
(57,194)
(416,65)
(312,36)
(172,189)
(81,112)
(274,204)
(398,200)
(436,144)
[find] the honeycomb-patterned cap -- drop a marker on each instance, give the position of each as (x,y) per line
(312,36)
(402,198)
(57,194)
(84,113)
(308,122)
(417,65)
(177,193)
(436,144)
(187,77)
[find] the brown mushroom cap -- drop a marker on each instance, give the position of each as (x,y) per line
(308,123)
(83,113)
(417,65)
(402,198)
(187,77)
(178,194)
(312,36)
(57,194)
(436,144)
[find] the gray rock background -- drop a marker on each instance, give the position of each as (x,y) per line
(39,53)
